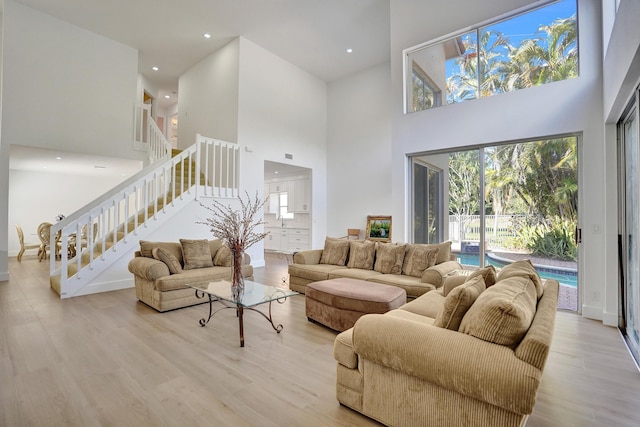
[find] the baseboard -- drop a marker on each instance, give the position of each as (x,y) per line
(610,319)
(94,288)
(4,276)
(590,312)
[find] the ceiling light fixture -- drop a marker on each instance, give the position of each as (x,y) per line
(207,35)
(167,96)
(58,158)
(155,68)
(349,50)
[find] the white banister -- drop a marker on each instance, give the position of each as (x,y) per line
(89,238)
(147,135)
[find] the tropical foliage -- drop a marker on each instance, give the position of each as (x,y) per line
(537,180)
(493,65)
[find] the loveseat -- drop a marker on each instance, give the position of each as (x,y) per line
(416,268)
(162,270)
(463,355)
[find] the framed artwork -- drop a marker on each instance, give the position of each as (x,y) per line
(378,228)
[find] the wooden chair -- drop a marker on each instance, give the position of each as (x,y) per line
(353,233)
(24,246)
(44,234)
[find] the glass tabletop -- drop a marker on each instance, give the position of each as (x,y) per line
(253,294)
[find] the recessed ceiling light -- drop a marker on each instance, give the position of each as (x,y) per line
(207,35)
(58,158)
(349,50)
(276,172)
(155,68)
(167,96)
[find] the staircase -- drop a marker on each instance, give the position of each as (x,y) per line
(134,208)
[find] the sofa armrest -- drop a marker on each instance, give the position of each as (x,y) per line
(308,257)
(449,359)
(148,268)
(435,274)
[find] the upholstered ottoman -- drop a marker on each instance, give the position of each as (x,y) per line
(338,303)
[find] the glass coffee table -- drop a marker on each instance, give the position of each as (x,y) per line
(253,295)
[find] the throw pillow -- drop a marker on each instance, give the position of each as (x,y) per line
(223,257)
(196,254)
(488,273)
(361,254)
(503,313)
(457,302)
(335,251)
(417,259)
(444,251)
(146,247)
(389,258)
(522,268)
(168,258)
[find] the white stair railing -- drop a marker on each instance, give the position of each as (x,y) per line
(147,135)
(208,168)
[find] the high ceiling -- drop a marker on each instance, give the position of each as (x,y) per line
(168,34)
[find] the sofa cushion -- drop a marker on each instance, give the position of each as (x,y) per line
(313,272)
(413,285)
(222,257)
(361,254)
(428,305)
(196,254)
(458,302)
(503,313)
(210,274)
(523,268)
(389,258)
(417,259)
(335,251)
(174,247)
(214,245)
(437,273)
(168,258)
(488,274)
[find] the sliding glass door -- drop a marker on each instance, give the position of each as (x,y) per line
(502,203)
(629,226)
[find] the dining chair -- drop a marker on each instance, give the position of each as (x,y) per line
(44,234)
(24,246)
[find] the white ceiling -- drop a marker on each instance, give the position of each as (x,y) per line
(312,34)
(51,161)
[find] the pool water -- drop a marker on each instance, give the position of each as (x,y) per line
(568,278)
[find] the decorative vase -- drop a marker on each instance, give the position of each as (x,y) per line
(237,279)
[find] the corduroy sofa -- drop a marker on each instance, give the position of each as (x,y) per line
(416,268)
(468,356)
(162,270)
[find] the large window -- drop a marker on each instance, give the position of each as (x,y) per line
(501,203)
(515,52)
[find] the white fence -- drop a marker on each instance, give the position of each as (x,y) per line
(498,229)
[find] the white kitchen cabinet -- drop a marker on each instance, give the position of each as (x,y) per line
(273,241)
(278,187)
(299,196)
(298,240)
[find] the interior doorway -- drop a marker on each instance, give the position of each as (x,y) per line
(288,211)
(501,203)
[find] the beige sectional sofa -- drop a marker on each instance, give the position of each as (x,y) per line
(162,270)
(464,355)
(416,268)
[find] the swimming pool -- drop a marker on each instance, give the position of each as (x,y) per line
(565,277)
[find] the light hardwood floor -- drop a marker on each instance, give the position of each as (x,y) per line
(108,360)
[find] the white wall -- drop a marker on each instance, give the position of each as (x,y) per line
(359,151)
(53,194)
(65,87)
(208,98)
(282,109)
(572,106)
(4,181)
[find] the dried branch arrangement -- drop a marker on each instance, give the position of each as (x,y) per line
(236,227)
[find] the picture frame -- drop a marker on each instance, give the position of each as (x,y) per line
(378,228)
